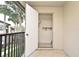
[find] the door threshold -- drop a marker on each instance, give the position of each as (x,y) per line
(45,48)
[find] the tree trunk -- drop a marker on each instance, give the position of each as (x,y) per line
(5,23)
(16,27)
(20,24)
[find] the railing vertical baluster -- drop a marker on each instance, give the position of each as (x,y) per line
(9,46)
(0,45)
(23,45)
(20,45)
(24,42)
(12,46)
(16,45)
(5,46)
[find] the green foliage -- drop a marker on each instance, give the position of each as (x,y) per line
(14,12)
(5,10)
(14,17)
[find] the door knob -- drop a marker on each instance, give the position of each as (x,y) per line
(27,34)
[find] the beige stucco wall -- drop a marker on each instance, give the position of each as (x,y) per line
(71,28)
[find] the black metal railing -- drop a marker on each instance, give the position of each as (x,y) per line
(12,44)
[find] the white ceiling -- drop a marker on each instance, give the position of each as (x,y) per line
(46,3)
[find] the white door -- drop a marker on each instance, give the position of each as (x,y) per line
(45,31)
(31,35)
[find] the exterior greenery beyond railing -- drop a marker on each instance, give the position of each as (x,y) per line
(12,44)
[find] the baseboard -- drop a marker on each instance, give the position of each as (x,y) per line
(32,53)
(66,54)
(45,48)
(51,49)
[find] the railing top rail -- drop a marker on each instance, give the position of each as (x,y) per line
(11,33)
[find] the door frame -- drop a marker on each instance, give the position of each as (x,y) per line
(52,28)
